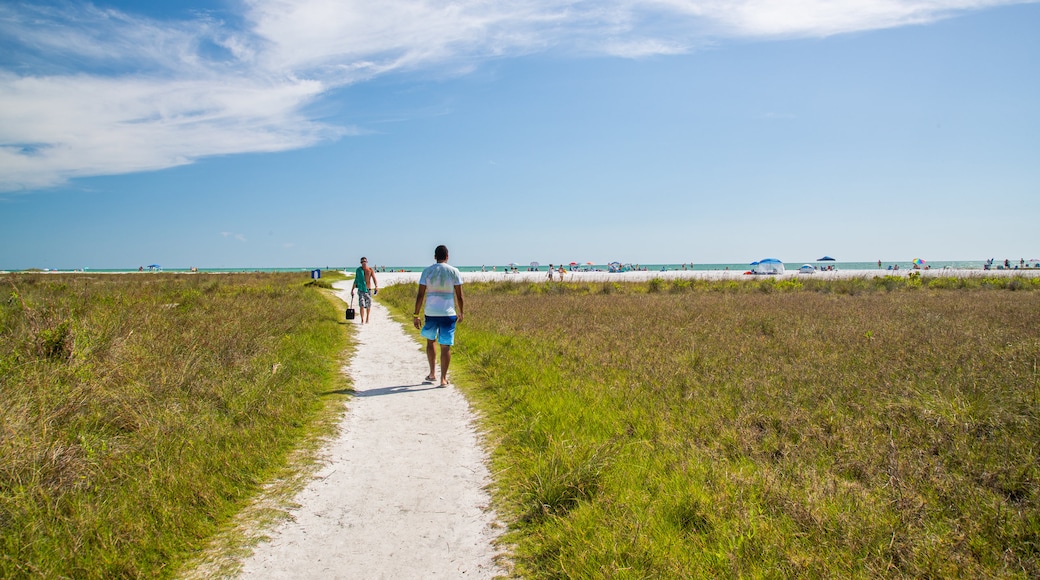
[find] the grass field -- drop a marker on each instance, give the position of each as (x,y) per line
(139,412)
(855,428)
(863,428)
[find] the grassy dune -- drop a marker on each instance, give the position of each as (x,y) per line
(139,412)
(855,428)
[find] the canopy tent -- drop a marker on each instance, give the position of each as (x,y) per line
(825,259)
(768,266)
(807,269)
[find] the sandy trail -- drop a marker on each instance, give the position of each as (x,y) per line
(402,492)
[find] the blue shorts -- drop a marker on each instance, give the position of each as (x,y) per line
(440,328)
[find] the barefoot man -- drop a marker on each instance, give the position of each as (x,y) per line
(441,285)
(364,278)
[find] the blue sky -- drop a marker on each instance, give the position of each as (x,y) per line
(282,133)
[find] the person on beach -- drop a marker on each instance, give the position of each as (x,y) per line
(440,289)
(364,278)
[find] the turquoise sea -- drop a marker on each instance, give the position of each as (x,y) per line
(736,266)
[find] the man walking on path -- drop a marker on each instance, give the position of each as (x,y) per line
(364,277)
(441,286)
(401,491)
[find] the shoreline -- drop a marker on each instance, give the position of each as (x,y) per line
(388,278)
(541,275)
(883,266)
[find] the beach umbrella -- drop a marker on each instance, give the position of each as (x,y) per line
(574,263)
(918,262)
(825,259)
(535,264)
(514,263)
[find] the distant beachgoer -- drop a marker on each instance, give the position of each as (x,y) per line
(562,272)
(440,289)
(879,264)
(364,278)
(550,272)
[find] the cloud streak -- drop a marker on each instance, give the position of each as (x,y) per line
(818,18)
(88,91)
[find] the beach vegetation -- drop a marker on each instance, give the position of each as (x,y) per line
(138,414)
(852,428)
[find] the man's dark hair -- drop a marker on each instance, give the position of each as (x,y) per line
(441,253)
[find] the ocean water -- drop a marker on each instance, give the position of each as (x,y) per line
(734,266)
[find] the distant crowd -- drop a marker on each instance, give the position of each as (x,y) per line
(1034,263)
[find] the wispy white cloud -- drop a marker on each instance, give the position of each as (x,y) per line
(108,93)
(89,91)
(59,127)
(816,18)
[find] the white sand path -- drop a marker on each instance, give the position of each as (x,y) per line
(402,492)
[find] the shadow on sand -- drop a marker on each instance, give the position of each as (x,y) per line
(396,390)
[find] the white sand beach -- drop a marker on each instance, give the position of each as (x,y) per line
(388,278)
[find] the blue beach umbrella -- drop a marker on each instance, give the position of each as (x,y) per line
(825,259)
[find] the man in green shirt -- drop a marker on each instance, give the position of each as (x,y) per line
(364,277)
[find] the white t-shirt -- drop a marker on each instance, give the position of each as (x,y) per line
(440,280)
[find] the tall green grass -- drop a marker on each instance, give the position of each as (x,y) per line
(864,428)
(139,412)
